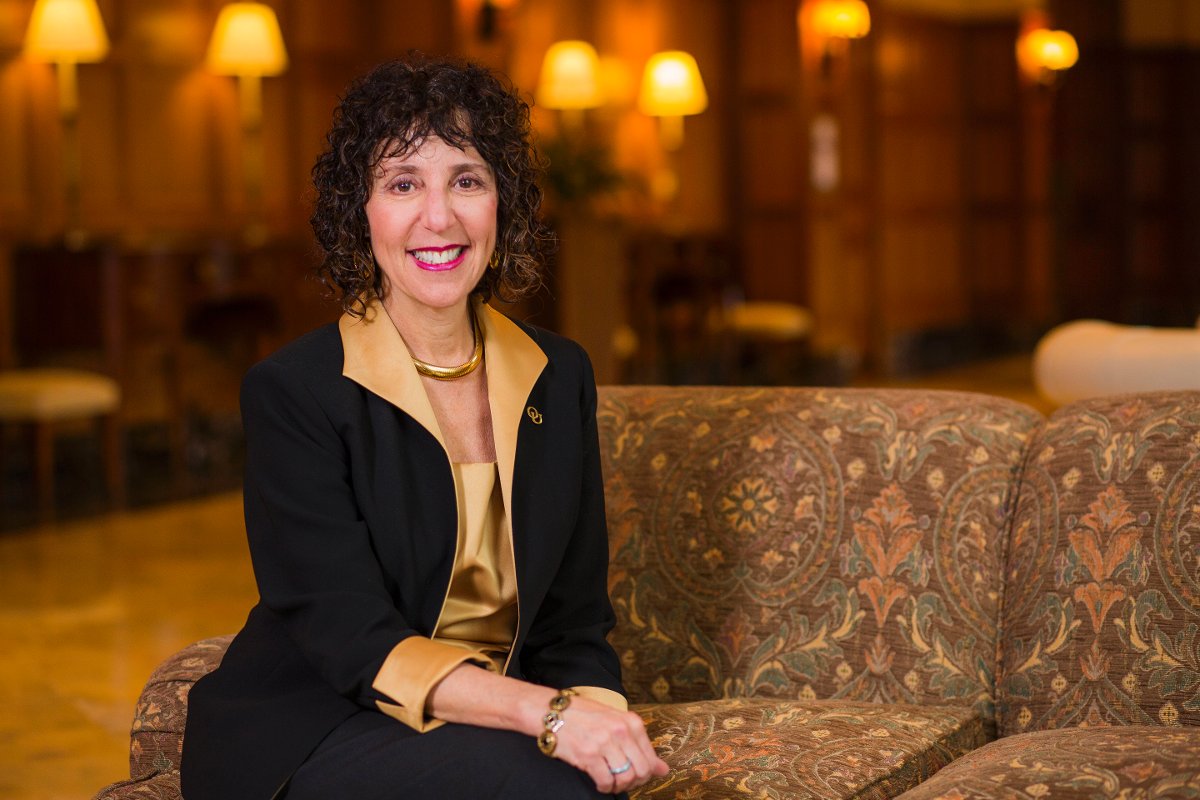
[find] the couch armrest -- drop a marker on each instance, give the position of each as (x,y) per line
(163,786)
(156,735)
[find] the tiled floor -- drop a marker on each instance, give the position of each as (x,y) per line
(89,606)
(87,609)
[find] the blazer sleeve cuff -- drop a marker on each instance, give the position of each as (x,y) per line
(409,674)
(601,695)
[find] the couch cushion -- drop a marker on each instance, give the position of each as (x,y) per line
(808,543)
(1102,624)
(1078,764)
(806,749)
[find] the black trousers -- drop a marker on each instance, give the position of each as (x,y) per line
(373,757)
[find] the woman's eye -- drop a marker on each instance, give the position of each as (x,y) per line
(467,182)
(402,186)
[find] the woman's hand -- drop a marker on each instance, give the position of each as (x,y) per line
(594,738)
(598,739)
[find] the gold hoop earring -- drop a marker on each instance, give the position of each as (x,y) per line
(494,262)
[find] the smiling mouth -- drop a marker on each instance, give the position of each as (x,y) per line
(439,259)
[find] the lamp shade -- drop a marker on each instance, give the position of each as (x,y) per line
(845,19)
(672,86)
(247,41)
(1042,48)
(570,77)
(66,30)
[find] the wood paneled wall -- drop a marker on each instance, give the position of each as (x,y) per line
(1127,145)
(161,140)
(967,201)
(934,220)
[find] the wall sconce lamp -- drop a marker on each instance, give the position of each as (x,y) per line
(570,81)
(834,23)
(66,33)
(1043,54)
(247,42)
(672,89)
(841,19)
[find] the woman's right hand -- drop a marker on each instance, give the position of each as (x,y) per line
(598,739)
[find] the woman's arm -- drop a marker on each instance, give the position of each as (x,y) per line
(567,643)
(594,738)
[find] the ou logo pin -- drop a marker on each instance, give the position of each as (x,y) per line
(534,415)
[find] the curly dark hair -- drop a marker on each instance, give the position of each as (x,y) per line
(389,112)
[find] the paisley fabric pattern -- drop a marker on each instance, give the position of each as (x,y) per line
(164,786)
(156,736)
(835,593)
(808,749)
(808,543)
(1105,626)
(1127,763)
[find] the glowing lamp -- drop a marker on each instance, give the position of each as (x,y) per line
(1042,52)
(672,86)
(66,30)
(841,19)
(672,89)
(66,33)
(247,41)
(570,78)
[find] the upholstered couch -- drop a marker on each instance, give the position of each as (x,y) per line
(838,593)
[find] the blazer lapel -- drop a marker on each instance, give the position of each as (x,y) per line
(514,364)
(377,359)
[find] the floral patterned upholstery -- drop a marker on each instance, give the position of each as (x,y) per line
(1106,549)
(163,786)
(1128,763)
(836,593)
(156,736)
(809,543)
(803,749)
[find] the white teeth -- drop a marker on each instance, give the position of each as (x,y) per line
(438,256)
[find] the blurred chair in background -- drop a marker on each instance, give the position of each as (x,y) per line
(47,398)
(675,292)
(766,342)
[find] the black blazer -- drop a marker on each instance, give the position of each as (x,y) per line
(352,523)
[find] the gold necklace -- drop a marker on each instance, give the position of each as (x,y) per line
(451,373)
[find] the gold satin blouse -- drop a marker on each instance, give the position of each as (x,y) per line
(480,612)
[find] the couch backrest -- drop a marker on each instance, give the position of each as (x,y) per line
(1102,624)
(808,542)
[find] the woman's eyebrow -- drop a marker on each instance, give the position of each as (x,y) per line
(477,166)
(400,163)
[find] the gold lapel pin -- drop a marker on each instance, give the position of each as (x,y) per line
(534,415)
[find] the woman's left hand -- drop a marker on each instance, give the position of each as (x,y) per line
(595,738)
(611,746)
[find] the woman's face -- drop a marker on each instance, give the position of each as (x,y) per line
(432,217)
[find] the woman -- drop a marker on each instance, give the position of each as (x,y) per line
(423,494)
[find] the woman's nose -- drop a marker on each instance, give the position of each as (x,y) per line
(439,210)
